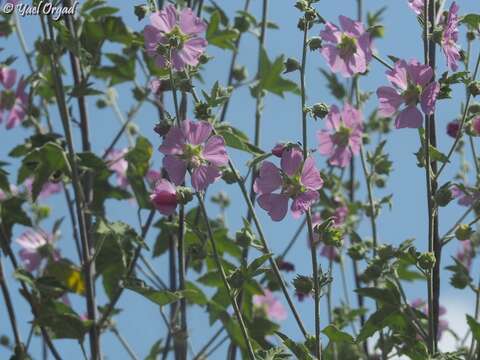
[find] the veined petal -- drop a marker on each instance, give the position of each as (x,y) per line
(276,205)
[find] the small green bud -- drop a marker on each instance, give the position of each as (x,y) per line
(426,261)
(463,232)
(162,128)
(470,36)
(315,43)
(443,196)
(203,59)
(333,236)
(229,176)
(303,284)
(244,237)
(386,252)
(474,109)
(184,195)
(474,88)
(240,73)
(310,15)
(221,199)
(41,211)
(302,5)
(4,341)
(101,104)
(132,129)
(203,111)
(372,272)
(291,65)
(303,24)
(241,24)
(140,11)
(357,251)
(320,110)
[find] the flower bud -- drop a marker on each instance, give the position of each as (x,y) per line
(320,110)
(474,88)
(357,251)
(332,236)
(291,65)
(310,15)
(443,196)
(140,11)
(315,43)
(244,237)
(463,232)
(452,128)
(470,36)
(302,5)
(474,109)
(203,111)
(426,261)
(229,176)
(303,284)
(240,73)
(285,265)
(184,195)
(278,150)
(241,24)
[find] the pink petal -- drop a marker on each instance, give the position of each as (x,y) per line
(164,197)
(8,77)
(332,56)
(398,76)
(196,132)
(331,33)
(176,169)
(268,179)
(429,97)
(409,117)
(190,24)
(310,175)
(352,28)
(419,73)
(291,161)
(164,20)
(303,202)
(352,117)
(204,176)
(152,38)
(31,260)
(341,157)
(215,151)
(389,100)
(174,142)
(325,143)
(275,204)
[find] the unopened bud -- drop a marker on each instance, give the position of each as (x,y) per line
(241,24)
(229,176)
(303,284)
(443,196)
(470,36)
(357,251)
(463,232)
(320,110)
(315,43)
(203,111)
(184,195)
(291,65)
(474,88)
(140,11)
(240,73)
(244,237)
(162,128)
(426,261)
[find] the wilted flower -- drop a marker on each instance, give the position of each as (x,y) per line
(32,243)
(411,85)
(191,146)
(117,163)
(343,137)
(297,179)
(177,32)
(348,50)
(12,101)
(272,307)
(453,127)
(164,197)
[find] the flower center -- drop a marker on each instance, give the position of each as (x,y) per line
(193,154)
(7,99)
(176,38)
(292,186)
(342,136)
(347,47)
(412,94)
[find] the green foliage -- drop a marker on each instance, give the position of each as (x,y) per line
(335,335)
(298,349)
(223,38)
(11,213)
(159,297)
(236,139)
(138,160)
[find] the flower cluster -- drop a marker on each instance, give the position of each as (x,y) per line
(173,38)
(297,179)
(12,101)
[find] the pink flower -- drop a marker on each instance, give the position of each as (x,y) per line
(155,86)
(5,195)
(452,128)
(411,85)
(178,31)
(450,37)
(272,307)
(48,189)
(464,199)
(152,177)
(417,6)
(191,146)
(343,137)
(116,162)
(465,254)
(421,305)
(278,150)
(327,251)
(297,179)
(164,197)
(476,125)
(12,101)
(31,243)
(347,50)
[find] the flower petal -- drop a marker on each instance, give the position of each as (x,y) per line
(176,169)
(196,132)
(389,100)
(204,176)
(268,179)
(165,19)
(174,142)
(190,24)
(275,204)
(215,151)
(303,202)
(429,97)
(409,117)
(291,160)
(310,175)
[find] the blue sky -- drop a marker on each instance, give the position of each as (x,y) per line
(140,323)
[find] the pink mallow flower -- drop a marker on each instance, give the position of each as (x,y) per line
(13,101)
(164,197)
(116,162)
(176,30)
(465,199)
(32,243)
(476,125)
(412,84)
(465,254)
(192,146)
(347,50)
(297,179)
(48,189)
(417,6)
(152,177)
(449,41)
(272,307)
(453,127)
(343,137)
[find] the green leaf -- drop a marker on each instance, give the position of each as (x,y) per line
(138,164)
(159,297)
(222,38)
(11,213)
(472,20)
(271,76)
(236,139)
(377,321)
(385,296)
(298,349)
(335,86)
(67,274)
(336,335)
(474,327)
(155,350)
